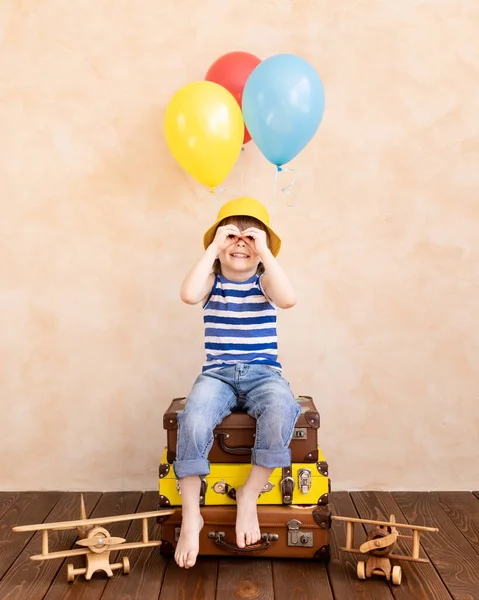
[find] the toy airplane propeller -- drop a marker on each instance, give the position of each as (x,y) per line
(379,544)
(96,541)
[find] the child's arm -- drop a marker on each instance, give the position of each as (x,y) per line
(275,282)
(197,284)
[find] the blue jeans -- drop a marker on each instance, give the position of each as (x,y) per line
(259,390)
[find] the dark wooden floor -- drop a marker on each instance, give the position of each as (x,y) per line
(453,572)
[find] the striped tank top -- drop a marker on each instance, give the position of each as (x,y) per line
(240,324)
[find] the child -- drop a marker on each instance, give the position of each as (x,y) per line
(241,371)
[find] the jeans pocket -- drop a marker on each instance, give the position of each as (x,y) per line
(277,372)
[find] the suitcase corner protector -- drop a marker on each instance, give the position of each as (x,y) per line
(163,470)
(323,500)
(323,468)
(323,554)
(163,501)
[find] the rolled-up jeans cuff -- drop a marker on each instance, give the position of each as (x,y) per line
(271,459)
(185,468)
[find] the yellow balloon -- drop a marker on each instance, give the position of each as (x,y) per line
(204,130)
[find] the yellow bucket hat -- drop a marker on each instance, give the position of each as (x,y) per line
(248,207)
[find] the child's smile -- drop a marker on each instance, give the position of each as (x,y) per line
(239,255)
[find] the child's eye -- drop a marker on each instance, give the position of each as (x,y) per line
(250,237)
(231,236)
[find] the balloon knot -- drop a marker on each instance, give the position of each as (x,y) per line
(280,169)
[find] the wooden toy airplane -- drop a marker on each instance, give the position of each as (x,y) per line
(97,542)
(379,544)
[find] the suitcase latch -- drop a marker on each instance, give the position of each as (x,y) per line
(300,433)
(268,486)
(304,480)
(296,537)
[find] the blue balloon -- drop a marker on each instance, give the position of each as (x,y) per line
(283,105)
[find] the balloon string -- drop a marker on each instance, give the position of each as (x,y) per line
(216,191)
(286,189)
(242,169)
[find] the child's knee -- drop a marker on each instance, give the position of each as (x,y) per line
(195,423)
(288,408)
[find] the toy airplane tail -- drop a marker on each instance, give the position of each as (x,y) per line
(83,529)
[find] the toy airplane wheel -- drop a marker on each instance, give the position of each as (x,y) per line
(396,575)
(126,565)
(361,569)
(70,573)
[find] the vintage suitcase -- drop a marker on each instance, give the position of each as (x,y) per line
(287,532)
(234,437)
(302,483)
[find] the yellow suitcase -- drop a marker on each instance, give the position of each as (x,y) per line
(300,484)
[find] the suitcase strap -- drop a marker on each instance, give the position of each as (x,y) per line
(287,485)
(236,450)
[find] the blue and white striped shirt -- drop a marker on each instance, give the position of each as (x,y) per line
(240,324)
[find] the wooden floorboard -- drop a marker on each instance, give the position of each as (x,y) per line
(28,508)
(453,557)
(30,580)
(7,500)
(454,554)
(300,580)
(463,510)
(420,581)
(342,568)
(198,583)
(245,578)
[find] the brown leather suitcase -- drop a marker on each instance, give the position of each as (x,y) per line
(234,437)
(287,532)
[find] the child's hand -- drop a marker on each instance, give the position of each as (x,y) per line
(256,240)
(225,237)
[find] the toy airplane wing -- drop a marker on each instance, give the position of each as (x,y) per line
(112,543)
(392,523)
(385,541)
(65,525)
(84,551)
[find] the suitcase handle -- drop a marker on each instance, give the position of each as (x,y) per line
(239,450)
(224,545)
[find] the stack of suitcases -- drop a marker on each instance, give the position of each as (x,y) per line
(293,508)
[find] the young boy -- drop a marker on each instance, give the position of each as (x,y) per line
(240,285)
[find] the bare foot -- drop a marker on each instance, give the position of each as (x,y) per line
(188,543)
(247,526)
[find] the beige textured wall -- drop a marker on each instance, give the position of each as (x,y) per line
(98,227)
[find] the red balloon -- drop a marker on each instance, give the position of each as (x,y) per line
(232,71)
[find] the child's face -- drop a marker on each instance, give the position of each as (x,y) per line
(239,257)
